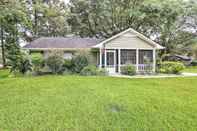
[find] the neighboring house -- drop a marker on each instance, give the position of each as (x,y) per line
(184,59)
(127,47)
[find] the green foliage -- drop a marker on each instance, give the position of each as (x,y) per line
(55,62)
(79,62)
(22,19)
(105,18)
(128,70)
(37,61)
(104,103)
(68,72)
(89,71)
(1,59)
(102,72)
(92,70)
(191,69)
(25,65)
(21,64)
(68,67)
(171,67)
(49,18)
(194,63)
(68,64)
(13,19)
(4,73)
(101,19)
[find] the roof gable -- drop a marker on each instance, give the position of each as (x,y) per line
(132,33)
(128,41)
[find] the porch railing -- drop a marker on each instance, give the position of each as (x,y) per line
(142,68)
(145,68)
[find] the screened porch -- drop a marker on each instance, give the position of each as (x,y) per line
(113,59)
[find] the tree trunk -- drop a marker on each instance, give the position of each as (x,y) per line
(35,23)
(2,47)
(35,13)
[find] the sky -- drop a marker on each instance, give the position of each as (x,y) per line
(66,1)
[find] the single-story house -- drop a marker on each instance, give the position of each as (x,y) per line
(127,47)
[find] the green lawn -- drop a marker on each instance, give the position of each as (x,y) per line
(192,69)
(74,103)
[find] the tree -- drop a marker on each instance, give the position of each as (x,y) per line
(55,62)
(21,17)
(13,19)
(49,18)
(2,47)
(20,64)
(156,19)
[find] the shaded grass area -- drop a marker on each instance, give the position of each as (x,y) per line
(77,103)
(4,73)
(192,69)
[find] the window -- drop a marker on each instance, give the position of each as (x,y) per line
(67,55)
(145,56)
(110,58)
(128,57)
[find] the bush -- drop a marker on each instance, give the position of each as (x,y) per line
(79,62)
(102,72)
(194,63)
(93,71)
(37,61)
(128,70)
(55,62)
(68,64)
(89,71)
(22,64)
(171,67)
(68,72)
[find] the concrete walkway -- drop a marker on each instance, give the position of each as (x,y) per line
(155,76)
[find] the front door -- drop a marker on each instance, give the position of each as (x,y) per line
(111,61)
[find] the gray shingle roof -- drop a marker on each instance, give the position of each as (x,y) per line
(62,42)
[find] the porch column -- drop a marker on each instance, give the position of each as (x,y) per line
(105,54)
(100,65)
(137,60)
(154,60)
(119,60)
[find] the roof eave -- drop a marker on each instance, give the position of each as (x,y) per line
(55,48)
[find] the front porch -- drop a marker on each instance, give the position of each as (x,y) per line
(112,60)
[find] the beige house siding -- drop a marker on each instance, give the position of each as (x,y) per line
(91,55)
(128,40)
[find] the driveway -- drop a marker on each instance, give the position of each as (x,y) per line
(156,75)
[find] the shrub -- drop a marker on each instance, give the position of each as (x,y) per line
(102,72)
(79,62)
(68,64)
(68,72)
(128,70)
(37,61)
(55,62)
(89,71)
(22,64)
(92,70)
(194,63)
(171,67)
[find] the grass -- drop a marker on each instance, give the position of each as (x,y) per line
(74,103)
(192,69)
(4,73)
